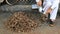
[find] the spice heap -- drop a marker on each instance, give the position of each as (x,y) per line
(23,21)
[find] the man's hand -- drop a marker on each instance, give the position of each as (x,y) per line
(39,3)
(48,11)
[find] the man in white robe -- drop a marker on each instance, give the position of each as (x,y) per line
(49,7)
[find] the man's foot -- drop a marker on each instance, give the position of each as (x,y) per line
(51,23)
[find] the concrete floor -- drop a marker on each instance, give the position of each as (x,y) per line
(44,29)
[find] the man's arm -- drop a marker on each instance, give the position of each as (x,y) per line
(54,4)
(49,10)
(39,2)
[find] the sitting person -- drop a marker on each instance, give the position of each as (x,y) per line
(49,7)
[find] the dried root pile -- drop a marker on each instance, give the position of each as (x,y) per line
(23,21)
